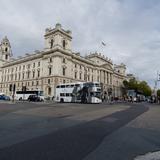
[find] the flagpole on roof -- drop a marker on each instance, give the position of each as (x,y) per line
(103,43)
(101,46)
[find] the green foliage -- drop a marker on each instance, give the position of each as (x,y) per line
(158,92)
(141,86)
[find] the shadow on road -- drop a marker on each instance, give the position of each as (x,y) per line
(72,143)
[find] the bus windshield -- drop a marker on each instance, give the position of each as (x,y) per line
(41,93)
(96,94)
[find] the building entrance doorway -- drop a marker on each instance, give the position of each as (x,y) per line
(49,91)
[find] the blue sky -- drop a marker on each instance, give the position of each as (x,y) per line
(131,29)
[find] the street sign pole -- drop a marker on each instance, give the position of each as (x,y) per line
(14,89)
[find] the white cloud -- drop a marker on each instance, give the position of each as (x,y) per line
(129,27)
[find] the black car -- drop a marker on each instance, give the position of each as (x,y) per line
(34,98)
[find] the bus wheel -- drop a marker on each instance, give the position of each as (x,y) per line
(61,100)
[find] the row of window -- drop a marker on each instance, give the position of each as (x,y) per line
(68,86)
(33,83)
(66,94)
(86,77)
(28,66)
(80,67)
(27,83)
(19,76)
(89,84)
(76,65)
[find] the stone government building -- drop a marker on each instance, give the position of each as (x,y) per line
(55,64)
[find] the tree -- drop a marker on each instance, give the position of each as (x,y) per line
(139,87)
(158,92)
(126,84)
(144,88)
(132,84)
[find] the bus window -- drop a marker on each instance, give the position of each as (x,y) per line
(91,94)
(62,86)
(97,94)
(67,94)
(72,85)
(62,94)
(77,85)
(58,87)
(88,84)
(68,86)
(40,93)
(97,84)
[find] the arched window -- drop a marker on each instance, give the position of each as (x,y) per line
(49,90)
(75,75)
(33,74)
(50,70)
(80,75)
(6,49)
(51,43)
(64,71)
(64,44)
(6,57)
(38,73)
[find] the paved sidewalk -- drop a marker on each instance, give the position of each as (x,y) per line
(149,156)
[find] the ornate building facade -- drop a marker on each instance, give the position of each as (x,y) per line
(57,63)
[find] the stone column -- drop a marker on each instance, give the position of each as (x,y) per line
(111,78)
(101,76)
(105,77)
(108,78)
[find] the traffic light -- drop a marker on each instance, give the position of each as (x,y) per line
(10,87)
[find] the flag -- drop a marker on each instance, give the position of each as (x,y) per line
(103,44)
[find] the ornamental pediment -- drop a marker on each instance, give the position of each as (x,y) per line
(107,66)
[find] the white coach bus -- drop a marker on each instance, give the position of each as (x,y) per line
(83,92)
(23,95)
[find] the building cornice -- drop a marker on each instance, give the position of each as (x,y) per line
(23,59)
(57,30)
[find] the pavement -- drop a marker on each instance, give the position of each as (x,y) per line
(138,139)
(149,156)
(39,131)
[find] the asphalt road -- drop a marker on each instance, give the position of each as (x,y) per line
(78,138)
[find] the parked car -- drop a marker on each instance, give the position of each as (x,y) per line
(35,98)
(4,97)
